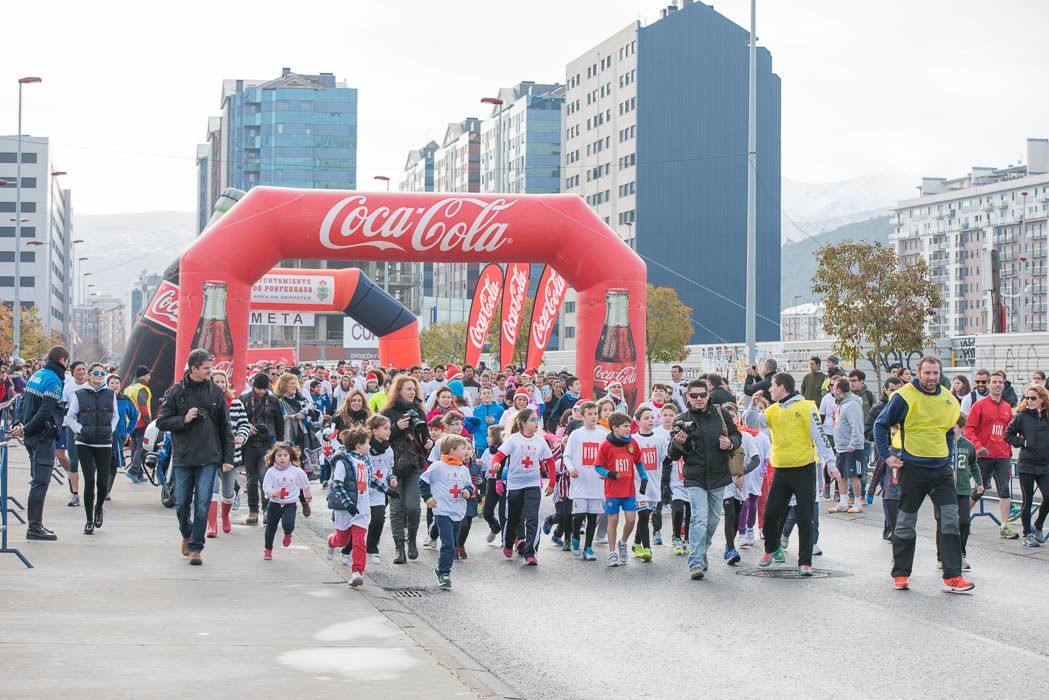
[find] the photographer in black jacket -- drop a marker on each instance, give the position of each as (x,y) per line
(705,436)
(195,413)
(410,442)
(266,426)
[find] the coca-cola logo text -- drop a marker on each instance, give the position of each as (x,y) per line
(444,226)
(553,292)
(163,310)
(487,297)
(625,375)
(517,289)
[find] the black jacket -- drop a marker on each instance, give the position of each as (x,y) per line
(872,415)
(756,386)
(206,440)
(405,444)
(706,464)
(95,415)
(1030,432)
(263,412)
(42,409)
(720,395)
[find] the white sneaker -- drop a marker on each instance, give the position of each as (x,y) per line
(344,559)
(855,508)
(601,540)
(430,544)
(783,542)
(329,553)
(622,554)
(613,559)
(491,536)
(816,551)
(374,558)
(356,579)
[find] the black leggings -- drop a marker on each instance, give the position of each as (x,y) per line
(94,463)
(375,526)
(657,517)
(680,515)
(1027,484)
(642,536)
(464,529)
(283,513)
(731,521)
(591,528)
(492,511)
(563,518)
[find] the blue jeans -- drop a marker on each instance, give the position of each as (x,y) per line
(190,481)
(449,533)
(706,516)
(792,518)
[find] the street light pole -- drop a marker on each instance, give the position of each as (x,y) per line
(1023,265)
(17,335)
(752,195)
(498,104)
(386,264)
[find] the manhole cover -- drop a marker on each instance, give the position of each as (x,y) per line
(411,592)
(791,573)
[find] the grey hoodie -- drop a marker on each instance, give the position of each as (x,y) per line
(849,431)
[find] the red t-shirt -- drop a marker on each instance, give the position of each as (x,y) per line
(985,427)
(620,459)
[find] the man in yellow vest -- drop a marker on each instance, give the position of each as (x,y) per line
(797,435)
(142,396)
(926,414)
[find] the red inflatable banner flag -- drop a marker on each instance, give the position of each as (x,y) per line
(515,288)
(482,311)
(548,299)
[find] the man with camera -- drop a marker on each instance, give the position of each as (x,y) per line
(705,436)
(38,424)
(195,413)
(265,427)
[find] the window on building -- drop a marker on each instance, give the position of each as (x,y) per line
(569,331)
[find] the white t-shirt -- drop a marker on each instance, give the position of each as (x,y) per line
(523,458)
(580,454)
(967,401)
(344,520)
(506,420)
(381,468)
(290,481)
(485,460)
(753,481)
(828,408)
(447,482)
(653,450)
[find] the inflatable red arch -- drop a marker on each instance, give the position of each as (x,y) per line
(270,224)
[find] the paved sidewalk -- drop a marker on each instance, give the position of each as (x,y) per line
(121,614)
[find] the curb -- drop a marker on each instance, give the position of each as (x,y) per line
(484,684)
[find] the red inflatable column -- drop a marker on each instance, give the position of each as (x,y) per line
(610,337)
(214,314)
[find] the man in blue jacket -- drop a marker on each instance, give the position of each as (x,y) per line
(489,413)
(38,424)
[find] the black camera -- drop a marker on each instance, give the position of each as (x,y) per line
(260,428)
(680,425)
(415,422)
(202,413)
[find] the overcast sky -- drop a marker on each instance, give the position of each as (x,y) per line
(928,87)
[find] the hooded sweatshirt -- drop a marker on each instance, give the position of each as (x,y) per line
(849,429)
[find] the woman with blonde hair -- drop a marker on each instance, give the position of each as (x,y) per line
(1029,430)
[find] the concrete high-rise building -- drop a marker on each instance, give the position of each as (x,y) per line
(956,225)
(655,141)
(47,233)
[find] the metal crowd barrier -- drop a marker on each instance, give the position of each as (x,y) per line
(4,498)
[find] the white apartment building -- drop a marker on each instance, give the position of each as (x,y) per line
(802,322)
(599,153)
(47,229)
(982,233)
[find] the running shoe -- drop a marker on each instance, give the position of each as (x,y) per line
(784,542)
(646,554)
(901,583)
(588,555)
(519,546)
(74,500)
(765,561)
(374,558)
(566,546)
(622,554)
(1014,512)
(575,547)
(805,571)
(267,555)
(329,552)
(732,557)
(443,580)
(236,501)
(826,493)
(688,547)
(344,559)
(548,523)
(637,549)
(840,508)
(816,551)
(460,553)
(855,508)
(287,539)
(356,579)
(491,537)
(939,564)
(601,540)
(613,559)
(957,585)
(966,566)
(1007,532)
(657,538)
(696,573)
(1042,536)
(557,541)
(779,556)
(429,543)
(1031,540)
(679,548)
(508,553)
(531,561)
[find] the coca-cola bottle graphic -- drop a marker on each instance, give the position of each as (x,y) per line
(213,330)
(616,357)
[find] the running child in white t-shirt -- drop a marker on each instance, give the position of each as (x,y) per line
(653,450)
(522,458)
(586,491)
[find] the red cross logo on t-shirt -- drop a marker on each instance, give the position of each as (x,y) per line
(527,462)
(378,473)
(283,493)
(455,491)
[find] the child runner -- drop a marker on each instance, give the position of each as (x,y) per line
(477,479)
(520,460)
(752,485)
(445,487)
(436,427)
(585,490)
(664,422)
(732,502)
(618,458)
(284,480)
(966,473)
(653,450)
(381,455)
(492,500)
(562,516)
(673,488)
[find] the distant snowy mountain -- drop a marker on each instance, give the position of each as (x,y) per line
(820,207)
(120,246)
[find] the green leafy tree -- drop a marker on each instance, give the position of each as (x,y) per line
(442,343)
(521,346)
(668,327)
(35,339)
(870,299)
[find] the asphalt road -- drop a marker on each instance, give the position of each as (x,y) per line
(573,629)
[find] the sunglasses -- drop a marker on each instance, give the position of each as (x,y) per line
(1031,398)
(97,373)
(697,395)
(980,381)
